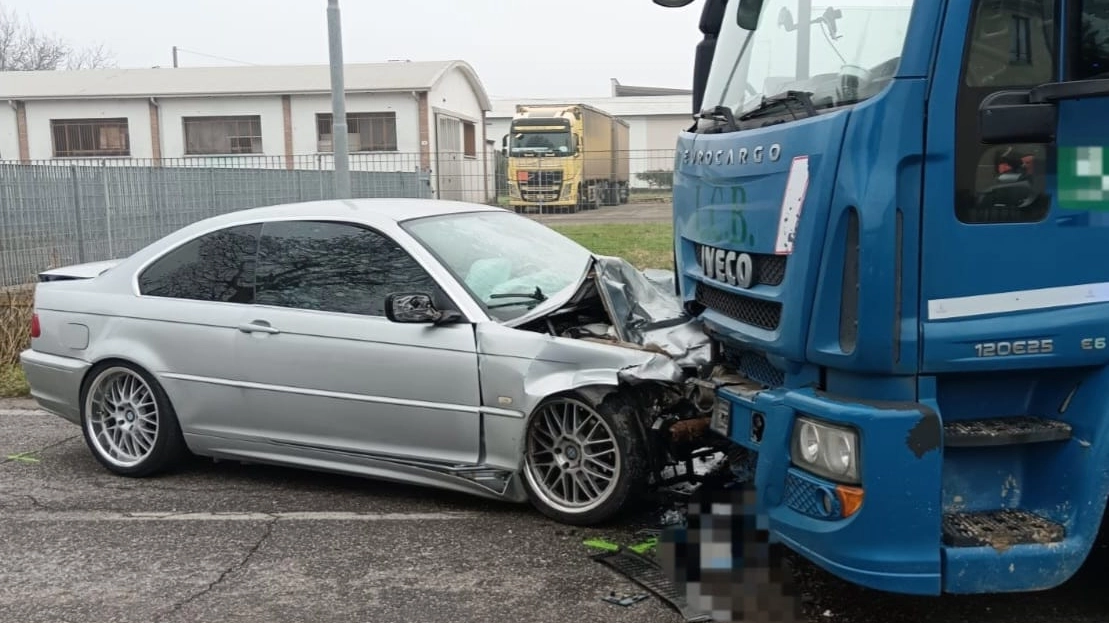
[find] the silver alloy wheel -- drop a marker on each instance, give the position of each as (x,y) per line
(572,461)
(121,416)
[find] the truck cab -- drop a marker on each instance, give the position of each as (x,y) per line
(565,157)
(892,218)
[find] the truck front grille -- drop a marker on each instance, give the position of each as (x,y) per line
(533,196)
(544,178)
(748,310)
(770,269)
(758,368)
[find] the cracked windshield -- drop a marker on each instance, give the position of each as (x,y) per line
(840,53)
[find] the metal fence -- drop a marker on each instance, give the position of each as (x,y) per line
(65,211)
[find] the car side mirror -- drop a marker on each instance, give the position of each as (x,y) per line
(417,308)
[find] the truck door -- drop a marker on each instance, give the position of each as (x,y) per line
(1014,225)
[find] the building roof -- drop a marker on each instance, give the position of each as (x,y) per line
(624,106)
(625,90)
(238,80)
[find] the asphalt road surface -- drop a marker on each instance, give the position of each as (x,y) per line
(234,542)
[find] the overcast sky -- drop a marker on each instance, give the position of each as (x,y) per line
(524,48)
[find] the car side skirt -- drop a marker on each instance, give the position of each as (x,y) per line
(481,480)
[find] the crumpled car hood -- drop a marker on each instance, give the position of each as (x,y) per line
(645,311)
(646,315)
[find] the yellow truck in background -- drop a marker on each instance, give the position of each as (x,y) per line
(565,157)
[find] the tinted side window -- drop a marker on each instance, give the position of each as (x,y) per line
(334,267)
(1091,59)
(218,266)
(1012,44)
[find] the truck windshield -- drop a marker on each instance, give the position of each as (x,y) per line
(555,143)
(840,53)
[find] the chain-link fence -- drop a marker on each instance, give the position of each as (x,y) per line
(59,212)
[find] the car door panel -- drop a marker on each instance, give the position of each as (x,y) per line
(364,384)
(326,369)
(182,325)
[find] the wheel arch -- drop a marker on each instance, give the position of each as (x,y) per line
(611,402)
(105,362)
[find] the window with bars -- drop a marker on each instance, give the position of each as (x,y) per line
(223,135)
(366,131)
(75,138)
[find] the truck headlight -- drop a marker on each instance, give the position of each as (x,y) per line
(826,450)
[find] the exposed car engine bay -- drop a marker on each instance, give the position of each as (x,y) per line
(675,413)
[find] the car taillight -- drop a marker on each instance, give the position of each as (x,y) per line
(36,329)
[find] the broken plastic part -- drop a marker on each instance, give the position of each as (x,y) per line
(625,601)
(602,544)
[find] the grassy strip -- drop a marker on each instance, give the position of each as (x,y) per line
(12,383)
(647,245)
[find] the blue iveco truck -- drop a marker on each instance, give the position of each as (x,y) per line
(893,218)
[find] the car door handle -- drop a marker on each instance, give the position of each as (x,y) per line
(258,326)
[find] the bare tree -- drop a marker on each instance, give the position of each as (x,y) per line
(23,48)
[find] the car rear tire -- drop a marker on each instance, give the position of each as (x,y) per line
(128,421)
(584,460)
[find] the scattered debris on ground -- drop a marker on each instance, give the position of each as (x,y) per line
(625,601)
(647,573)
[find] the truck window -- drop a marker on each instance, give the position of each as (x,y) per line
(1091,52)
(1010,44)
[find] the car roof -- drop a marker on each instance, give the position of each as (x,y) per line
(368,210)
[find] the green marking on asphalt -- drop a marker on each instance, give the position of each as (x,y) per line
(601,544)
(23,457)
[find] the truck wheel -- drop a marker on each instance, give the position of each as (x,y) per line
(583,460)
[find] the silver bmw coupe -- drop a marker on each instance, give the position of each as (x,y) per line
(432,342)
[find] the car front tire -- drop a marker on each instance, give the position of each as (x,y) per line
(584,460)
(128,421)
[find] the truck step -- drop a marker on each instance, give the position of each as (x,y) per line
(999,529)
(1004,432)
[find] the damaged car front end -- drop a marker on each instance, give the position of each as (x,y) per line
(612,377)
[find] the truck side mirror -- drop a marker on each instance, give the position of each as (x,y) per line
(1011,117)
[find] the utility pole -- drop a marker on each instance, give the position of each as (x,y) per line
(339,147)
(175,56)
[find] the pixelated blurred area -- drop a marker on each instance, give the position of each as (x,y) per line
(722,560)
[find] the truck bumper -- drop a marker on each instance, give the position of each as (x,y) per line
(519,203)
(891,541)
